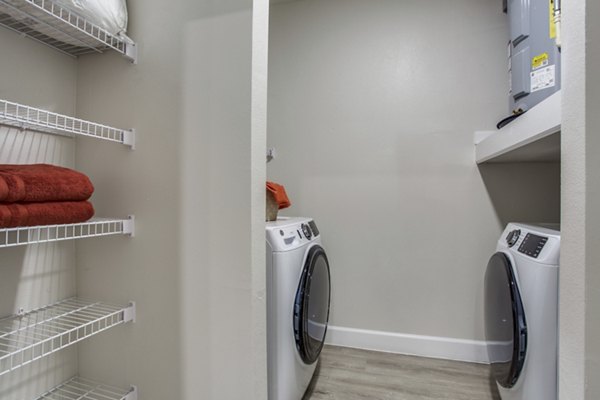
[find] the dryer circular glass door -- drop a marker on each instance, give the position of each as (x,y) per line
(311,308)
(505,324)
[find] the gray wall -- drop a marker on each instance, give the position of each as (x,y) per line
(580,254)
(593,201)
(190,265)
(372,109)
(38,275)
(572,379)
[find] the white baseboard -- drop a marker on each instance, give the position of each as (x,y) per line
(423,346)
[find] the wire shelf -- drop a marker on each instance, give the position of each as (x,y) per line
(10,237)
(39,333)
(60,28)
(78,388)
(30,118)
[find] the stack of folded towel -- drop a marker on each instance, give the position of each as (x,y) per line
(279,195)
(42,194)
(277,199)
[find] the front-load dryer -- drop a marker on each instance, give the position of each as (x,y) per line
(298,296)
(521,312)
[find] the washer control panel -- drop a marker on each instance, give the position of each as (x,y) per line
(287,236)
(532,245)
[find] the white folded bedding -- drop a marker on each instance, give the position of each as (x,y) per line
(110,15)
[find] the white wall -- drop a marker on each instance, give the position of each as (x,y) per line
(38,275)
(372,109)
(593,201)
(195,267)
(580,255)
(572,379)
(258,168)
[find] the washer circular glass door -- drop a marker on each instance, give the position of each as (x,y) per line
(505,324)
(311,308)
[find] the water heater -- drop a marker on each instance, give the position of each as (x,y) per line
(533,52)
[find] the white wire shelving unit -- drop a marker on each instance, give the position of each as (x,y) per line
(78,388)
(28,337)
(62,29)
(11,237)
(29,118)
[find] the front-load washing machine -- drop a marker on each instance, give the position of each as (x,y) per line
(298,296)
(521,312)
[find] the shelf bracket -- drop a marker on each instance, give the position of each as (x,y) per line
(132,395)
(271,154)
(129,226)
(129,314)
(129,138)
(131,52)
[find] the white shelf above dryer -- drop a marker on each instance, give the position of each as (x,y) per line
(29,118)
(62,29)
(78,388)
(10,237)
(39,333)
(533,137)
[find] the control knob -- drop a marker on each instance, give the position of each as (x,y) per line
(512,237)
(307,232)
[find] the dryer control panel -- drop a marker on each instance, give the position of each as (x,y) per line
(538,243)
(532,245)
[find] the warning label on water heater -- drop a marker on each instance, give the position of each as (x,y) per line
(539,61)
(543,78)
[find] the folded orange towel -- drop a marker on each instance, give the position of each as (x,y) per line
(42,182)
(280,195)
(53,213)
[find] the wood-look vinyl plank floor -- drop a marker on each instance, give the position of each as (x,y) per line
(351,374)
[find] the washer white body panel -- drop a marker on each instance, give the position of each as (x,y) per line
(288,375)
(537,280)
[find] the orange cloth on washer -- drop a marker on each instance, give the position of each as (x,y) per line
(279,193)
